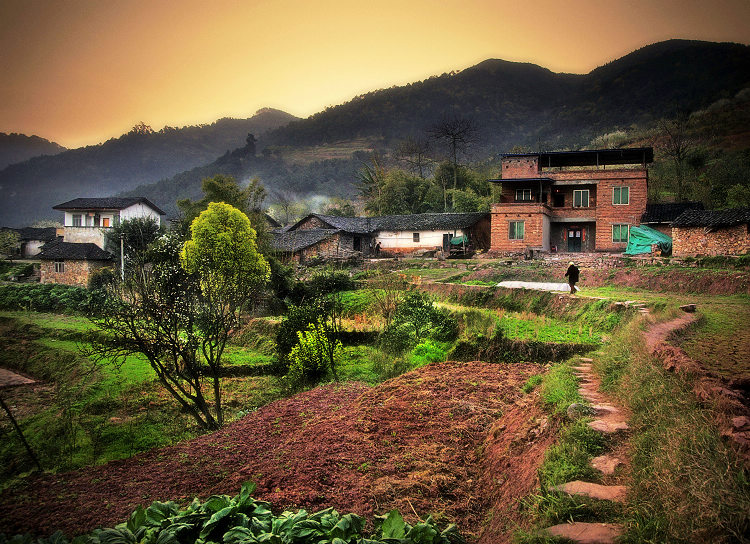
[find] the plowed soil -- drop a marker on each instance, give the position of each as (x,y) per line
(459,441)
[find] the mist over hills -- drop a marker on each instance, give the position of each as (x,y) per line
(19,147)
(29,189)
(512,104)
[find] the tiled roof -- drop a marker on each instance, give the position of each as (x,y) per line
(412,222)
(667,212)
(713,218)
(294,240)
(107,203)
(429,221)
(74,252)
(45,234)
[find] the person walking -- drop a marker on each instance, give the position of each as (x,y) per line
(572,274)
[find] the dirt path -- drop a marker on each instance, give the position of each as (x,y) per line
(422,442)
(11,379)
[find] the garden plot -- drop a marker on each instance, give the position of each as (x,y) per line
(416,443)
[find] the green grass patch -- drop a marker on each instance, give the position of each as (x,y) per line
(560,388)
(532,383)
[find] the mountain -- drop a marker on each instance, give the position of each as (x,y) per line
(523,104)
(29,189)
(512,104)
(19,147)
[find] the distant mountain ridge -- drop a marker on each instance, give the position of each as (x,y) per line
(29,189)
(513,104)
(16,147)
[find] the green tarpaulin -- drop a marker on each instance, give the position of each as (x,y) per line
(458,240)
(642,238)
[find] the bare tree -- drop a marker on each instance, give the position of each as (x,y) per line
(458,133)
(416,153)
(287,202)
(675,141)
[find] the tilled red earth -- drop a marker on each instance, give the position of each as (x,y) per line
(456,440)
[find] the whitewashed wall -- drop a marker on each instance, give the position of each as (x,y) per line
(139,210)
(404,240)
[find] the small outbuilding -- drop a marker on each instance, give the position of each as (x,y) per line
(71,264)
(700,233)
(660,216)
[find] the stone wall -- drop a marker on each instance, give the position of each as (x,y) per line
(83,235)
(76,272)
(313,223)
(697,241)
(338,246)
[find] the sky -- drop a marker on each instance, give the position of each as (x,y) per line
(81,71)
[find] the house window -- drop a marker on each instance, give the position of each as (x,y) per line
(97,219)
(523,195)
(621,195)
(619,233)
(415,237)
(581,198)
(77,220)
(105,222)
(89,220)
(516,230)
(60,266)
(117,219)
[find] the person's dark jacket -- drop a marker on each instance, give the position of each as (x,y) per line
(572,273)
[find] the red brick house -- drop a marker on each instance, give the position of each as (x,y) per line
(570,201)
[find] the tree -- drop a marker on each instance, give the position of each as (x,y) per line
(416,154)
(676,143)
(340,207)
(178,303)
(8,243)
(371,178)
(457,134)
(221,188)
(137,234)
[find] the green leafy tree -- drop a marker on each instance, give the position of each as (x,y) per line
(178,303)
(315,356)
(340,207)
(136,234)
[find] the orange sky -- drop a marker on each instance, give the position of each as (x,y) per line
(79,72)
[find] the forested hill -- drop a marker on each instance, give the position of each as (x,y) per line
(523,104)
(19,147)
(29,189)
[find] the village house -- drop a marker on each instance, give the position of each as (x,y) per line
(328,236)
(702,233)
(571,201)
(660,216)
(31,240)
(71,264)
(86,219)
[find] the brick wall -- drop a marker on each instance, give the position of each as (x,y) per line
(76,272)
(520,167)
(695,241)
(535,218)
(608,214)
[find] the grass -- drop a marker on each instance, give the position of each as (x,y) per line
(687,482)
(93,412)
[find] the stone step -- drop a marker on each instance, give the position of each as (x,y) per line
(604,409)
(586,359)
(608,427)
(614,493)
(606,464)
(587,533)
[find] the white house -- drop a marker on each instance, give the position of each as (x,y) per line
(86,219)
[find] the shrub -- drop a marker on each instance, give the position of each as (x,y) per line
(44,297)
(313,357)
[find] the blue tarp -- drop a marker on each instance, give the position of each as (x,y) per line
(642,238)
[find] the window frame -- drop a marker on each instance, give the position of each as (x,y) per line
(588,198)
(76,220)
(627,233)
(59,266)
(523,194)
(513,230)
(618,190)
(415,237)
